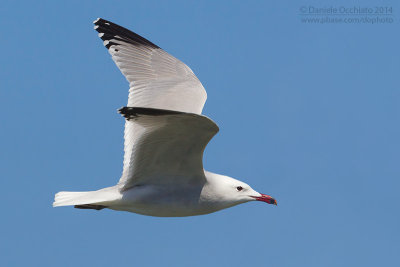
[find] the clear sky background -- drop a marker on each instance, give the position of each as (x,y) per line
(309,113)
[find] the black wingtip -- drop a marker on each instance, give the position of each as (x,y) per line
(133,112)
(90,207)
(109,31)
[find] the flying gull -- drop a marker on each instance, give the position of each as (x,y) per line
(165,137)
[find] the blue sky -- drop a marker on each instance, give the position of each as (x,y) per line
(308,113)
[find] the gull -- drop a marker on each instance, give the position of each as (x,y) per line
(165,137)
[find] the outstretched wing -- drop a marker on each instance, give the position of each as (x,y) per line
(163,146)
(157,79)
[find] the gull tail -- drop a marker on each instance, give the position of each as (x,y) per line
(89,200)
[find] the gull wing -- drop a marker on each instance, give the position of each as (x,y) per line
(163,146)
(157,79)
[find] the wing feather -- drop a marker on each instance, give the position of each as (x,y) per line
(157,79)
(165,135)
(163,145)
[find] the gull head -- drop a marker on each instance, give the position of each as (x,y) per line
(227,192)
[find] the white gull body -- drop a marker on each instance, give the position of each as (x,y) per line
(165,137)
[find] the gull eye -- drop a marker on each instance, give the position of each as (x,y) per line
(239,188)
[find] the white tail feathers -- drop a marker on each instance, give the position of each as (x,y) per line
(102,196)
